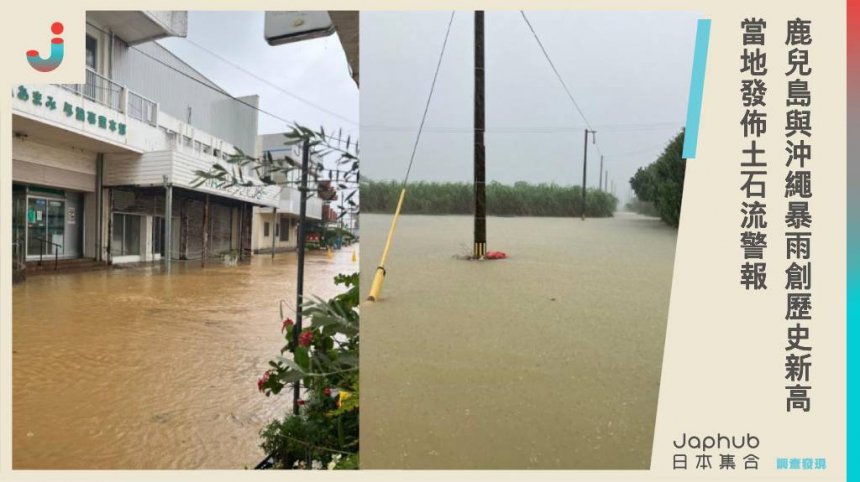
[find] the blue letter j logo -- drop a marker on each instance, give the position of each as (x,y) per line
(53,61)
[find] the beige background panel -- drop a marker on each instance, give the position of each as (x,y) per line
(728,391)
(723,365)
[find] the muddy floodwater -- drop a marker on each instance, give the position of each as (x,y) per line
(133,368)
(548,359)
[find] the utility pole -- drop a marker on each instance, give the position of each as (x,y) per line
(300,246)
(585,165)
(480,247)
(600,181)
(606,181)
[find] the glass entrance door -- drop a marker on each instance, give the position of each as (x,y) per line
(46,224)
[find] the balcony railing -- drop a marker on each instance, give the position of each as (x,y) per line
(142,109)
(108,93)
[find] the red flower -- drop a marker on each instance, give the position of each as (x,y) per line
(287,325)
(306,338)
(327,391)
(262,381)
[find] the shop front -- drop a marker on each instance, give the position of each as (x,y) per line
(48,222)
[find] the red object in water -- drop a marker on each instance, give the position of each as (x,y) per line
(496,255)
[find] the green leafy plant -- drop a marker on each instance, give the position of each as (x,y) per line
(323,358)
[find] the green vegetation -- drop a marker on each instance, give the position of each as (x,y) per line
(323,358)
(521,199)
(661,183)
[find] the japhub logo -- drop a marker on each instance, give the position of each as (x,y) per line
(55,58)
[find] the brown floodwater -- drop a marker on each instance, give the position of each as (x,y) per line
(133,368)
(548,359)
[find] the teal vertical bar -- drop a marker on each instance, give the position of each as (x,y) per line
(697,86)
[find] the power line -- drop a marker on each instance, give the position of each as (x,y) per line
(208,86)
(429,97)
(557,74)
(520,130)
(270,84)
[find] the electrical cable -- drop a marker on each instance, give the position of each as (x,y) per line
(557,74)
(208,86)
(269,83)
(429,98)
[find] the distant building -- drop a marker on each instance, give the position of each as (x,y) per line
(93,164)
(276,228)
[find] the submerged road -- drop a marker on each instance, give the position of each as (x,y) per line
(549,359)
(133,369)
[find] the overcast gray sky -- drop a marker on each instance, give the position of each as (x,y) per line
(315,70)
(628,71)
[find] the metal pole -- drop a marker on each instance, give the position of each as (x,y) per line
(584,167)
(600,181)
(168,225)
(480,247)
(99,205)
(207,224)
(300,278)
(606,181)
(274,227)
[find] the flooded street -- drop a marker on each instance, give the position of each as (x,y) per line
(549,359)
(132,368)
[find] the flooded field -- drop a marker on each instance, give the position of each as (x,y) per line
(132,368)
(548,359)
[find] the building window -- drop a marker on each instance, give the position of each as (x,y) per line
(92,52)
(266,229)
(125,235)
(285,229)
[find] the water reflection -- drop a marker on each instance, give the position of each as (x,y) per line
(132,368)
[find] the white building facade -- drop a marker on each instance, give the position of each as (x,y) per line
(106,170)
(275,228)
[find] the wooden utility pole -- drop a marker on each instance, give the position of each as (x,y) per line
(585,166)
(600,181)
(480,247)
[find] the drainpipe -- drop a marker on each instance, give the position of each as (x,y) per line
(100,169)
(110,56)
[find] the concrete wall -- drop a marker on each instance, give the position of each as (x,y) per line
(262,243)
(183,93)
(35,162)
